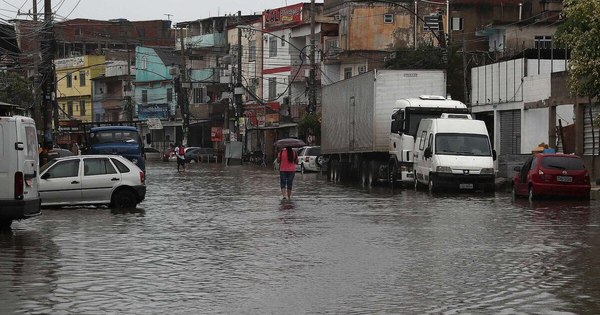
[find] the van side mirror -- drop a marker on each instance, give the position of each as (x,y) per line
(45,176)
(494,155)
(427,153)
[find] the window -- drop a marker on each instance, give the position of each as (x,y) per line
(82,107)
(457,24)
(122,168)
(144,62)
(362,69)
(70,108)
(347,73)
(69,80)
(272,88)
(93,167)
(197,95)
(432,22)
(272,47)
(543,42)
(82,78)
(144,96)
(64,169)
(169,94)
(423,138)
(388,18)
(282,42)
(252,51)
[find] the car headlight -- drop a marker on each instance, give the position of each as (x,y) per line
(443,169)
(487,171)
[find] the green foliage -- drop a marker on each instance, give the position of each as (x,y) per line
(310,124)
(16,90)
(581,35)
(429,57)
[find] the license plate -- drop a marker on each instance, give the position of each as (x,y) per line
(465,186)
(564,179)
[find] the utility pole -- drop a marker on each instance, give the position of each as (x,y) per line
(35,10)
(129,105)
(47,74)
(238,89)
(184,102)
(312,100)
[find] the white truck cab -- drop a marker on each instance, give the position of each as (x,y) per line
(454,152)
(19,169)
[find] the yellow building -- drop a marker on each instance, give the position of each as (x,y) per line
(74,86)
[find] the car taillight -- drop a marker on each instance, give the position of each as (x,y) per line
(142,177)
(542,175)
(19,181)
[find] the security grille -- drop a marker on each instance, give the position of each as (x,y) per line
(510,132)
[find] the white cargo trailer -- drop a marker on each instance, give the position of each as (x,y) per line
(357,115)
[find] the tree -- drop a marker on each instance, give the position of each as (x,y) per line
(16,90)
(310,124)
(580,33)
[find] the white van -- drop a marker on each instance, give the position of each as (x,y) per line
(19,169)
(454,152)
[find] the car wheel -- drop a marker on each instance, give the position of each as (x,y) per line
(123,199)
(532,196)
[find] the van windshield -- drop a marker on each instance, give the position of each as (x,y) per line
(462,144)
(112,136)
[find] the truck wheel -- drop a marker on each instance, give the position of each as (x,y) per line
(5,224)
(392,169)
(364,174)
(329,170)
(432,185)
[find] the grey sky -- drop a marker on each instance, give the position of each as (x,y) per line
(135,10)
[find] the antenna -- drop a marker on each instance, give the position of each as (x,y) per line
(168,16)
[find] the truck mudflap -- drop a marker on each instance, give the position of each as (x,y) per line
(20,209)
(464,182)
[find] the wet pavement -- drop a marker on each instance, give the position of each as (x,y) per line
(220,240)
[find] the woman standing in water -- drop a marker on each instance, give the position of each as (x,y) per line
(287,159)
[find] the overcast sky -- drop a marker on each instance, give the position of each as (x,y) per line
(136,10)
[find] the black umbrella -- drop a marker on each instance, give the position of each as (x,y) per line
(289,142)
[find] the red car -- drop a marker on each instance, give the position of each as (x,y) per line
(553,174)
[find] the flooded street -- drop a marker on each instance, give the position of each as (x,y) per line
(220,240)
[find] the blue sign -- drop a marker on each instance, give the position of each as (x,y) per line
(146,111)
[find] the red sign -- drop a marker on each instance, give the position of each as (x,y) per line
(287,15)
(216,134)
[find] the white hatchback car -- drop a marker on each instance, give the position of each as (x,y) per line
(307,159)
(92,179)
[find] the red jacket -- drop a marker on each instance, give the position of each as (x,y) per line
(284,164)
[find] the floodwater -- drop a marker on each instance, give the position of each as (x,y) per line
(220,240)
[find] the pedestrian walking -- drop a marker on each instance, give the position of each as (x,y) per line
(180,154)
(287,159)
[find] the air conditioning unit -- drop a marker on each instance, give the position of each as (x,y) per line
(337,17)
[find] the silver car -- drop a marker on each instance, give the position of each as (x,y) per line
(307,159)
(90,180)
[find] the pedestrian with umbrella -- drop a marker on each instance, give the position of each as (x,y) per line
(287,159)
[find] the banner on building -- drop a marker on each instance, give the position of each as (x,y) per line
(146,111)
(216,134)
(283,16)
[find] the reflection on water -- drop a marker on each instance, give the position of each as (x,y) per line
(220,240)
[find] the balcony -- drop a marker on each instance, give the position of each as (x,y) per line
(208,75)
(216,40)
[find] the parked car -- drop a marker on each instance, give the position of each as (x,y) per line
(307,159)
(169,155)
(197,154)
(555,174)
(92,179)
(152,154)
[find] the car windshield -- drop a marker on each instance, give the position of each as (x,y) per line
(562,163)
(313,152)
(112,136)
(462,144)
